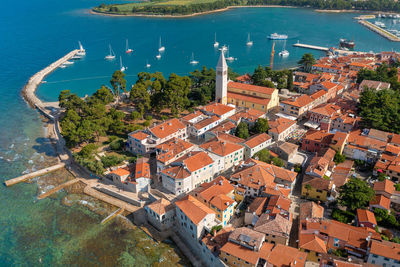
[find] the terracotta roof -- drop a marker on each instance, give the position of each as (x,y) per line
(326,109)
(225,126)
(282,256)
(300,101)
(278,203)
(317,183)
(249,114)
(193,209)
(318,94)
(193,161)
(206,122)
(142,168)
(276,225)
(192,115)
(318,136)
(310,209)
(218,109)
(250,87)
(161,206)
(221,147)
(218,186)
(171,149)
(395,139)
(279,125)
(221,201)
(312,242)
(120,172)
(365,216)
(229,138)
(215,242)
(288,148)
(386,186)
(380,200)
(251,99)
(257,206)
(386,249)
(139,135)
(241,252)
(256,140)
(252,238)
(167,128)
(244,78)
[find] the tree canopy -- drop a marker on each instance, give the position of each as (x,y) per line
(355,194)
(307,61)
(242,130)
(261,126)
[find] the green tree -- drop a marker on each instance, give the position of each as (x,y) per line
(339,158)
(176,93)
(263,155)
(203,86)
(118,83)
(140,97)
(87,150)
(104,95)
(307,61)
(261,126)
(355,194)
(242,130)
(277,162)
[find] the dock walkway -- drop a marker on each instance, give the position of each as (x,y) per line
(58,188)
(31,175)
(315,47)
(379,31)
(113,215)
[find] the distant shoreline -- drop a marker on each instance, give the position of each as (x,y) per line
(95,12)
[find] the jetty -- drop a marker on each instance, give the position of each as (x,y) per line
(30,88)
(58,188)
(379,31)
(315,47)
(34,174)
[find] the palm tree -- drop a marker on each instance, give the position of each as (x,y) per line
(307,61)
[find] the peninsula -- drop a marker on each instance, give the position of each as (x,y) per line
(185,8)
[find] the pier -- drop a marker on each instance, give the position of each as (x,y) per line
(34,174)
(379,31)
(315,47)
(58,188)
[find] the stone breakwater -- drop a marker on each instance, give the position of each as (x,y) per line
(29,89)
(379,31)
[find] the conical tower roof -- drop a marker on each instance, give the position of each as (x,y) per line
(222,61)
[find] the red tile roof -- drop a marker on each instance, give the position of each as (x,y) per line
(250,87)
(300,101)
(218,109)
(193,209)
(365,216)
(380,200)
(139,135)
(280,125)
(221,147)
(167,128)
(256,140)
(386,249)
(251,99)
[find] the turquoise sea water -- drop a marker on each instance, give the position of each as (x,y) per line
(35,33)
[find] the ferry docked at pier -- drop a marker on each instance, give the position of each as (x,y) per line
(275,36)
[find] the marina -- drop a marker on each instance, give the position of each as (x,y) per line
(380,30)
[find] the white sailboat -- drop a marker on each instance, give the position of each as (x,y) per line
(284,52)
(249,41)
(122,67)
(68,63)
(192,61)
(127,49)
(110,56)
(147,64)
(82,51)
(224,48)
(216,44)
(229,58)
(158,56)
(160,47)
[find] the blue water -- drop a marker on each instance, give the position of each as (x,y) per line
(35,33)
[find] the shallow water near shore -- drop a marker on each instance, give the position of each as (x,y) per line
(66,230)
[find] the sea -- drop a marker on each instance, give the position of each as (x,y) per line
(65,230)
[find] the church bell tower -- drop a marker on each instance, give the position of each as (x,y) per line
(221,81)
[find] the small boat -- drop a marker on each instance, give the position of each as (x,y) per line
(62,66)
(122,67)
(82,51)
(110,56)
(216,44)
(229,58)
(275,36)
(249,42)
(284,52)
(383,16)
(128,50)
(43,82)
(147,64)
(68,63)
(160,47)
(192,61)
(379,15)
(158,56)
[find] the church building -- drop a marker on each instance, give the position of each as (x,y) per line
(241,94)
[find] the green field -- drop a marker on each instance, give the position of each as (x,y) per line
(127,8)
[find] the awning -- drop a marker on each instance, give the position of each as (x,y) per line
(312,124)
(282,115)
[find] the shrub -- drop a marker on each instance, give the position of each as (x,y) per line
(149,118)
(342,216)
(277,162)
(135,115)
(117,145)
(87,150)
(146,123)
(109,161)
(298,168)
